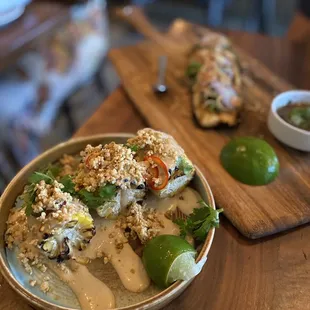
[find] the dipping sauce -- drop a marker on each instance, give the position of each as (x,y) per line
(250,160)
(297,114)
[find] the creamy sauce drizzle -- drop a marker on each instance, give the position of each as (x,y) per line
(92,293)
(186,201)
(169,227)
(126,262)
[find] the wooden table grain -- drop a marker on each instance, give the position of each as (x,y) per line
(269,274)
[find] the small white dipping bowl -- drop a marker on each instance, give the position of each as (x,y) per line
(283,131)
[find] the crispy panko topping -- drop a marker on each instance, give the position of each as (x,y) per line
(61,225)
(156,143)
(141,222)
(69,165)
(65,223)
(17,227)
(215,41)
(45,287)
(50,197)
(109,164)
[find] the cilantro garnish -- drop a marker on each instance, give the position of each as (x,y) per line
(184,165)
(29,194)
(96,199)
(199,222)
(28,198)
(68,184)
(91,199)
(108,191)
(134,147)
(213,107)
(36,177)
(54,169)
(48,175)
(193,69)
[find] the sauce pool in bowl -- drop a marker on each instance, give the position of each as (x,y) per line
(297,114)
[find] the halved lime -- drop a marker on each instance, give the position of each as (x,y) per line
(169,258)
(250,160)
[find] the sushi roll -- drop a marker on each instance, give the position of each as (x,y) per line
(168,168)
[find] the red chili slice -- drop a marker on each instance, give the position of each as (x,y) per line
(88,159)
(160,171)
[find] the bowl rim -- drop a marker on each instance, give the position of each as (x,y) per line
(274,110)
(43,304)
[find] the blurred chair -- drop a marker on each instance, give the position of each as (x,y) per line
(215,11)
(263,12)
(38,87)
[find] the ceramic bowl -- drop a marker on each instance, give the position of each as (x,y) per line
(283,131)
(66,300)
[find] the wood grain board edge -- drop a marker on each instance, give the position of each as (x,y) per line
(261,222)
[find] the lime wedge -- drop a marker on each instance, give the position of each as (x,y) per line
(169,258)
(250,160)
(184,268)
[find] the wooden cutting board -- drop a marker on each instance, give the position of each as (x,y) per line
(254,211)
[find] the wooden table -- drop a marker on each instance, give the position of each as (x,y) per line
(268,274)
(39,20)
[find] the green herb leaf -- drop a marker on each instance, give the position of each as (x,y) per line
(107,192)
(36,177)
(199,223)
(193,69)
(183,227)
(89,198)
(28,198)
(28,208)
(213,107)
(53,169)
(184,165)
(134,148)
(96,199)
(48,175)
(68,184)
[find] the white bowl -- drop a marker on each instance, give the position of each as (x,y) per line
(292,136)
